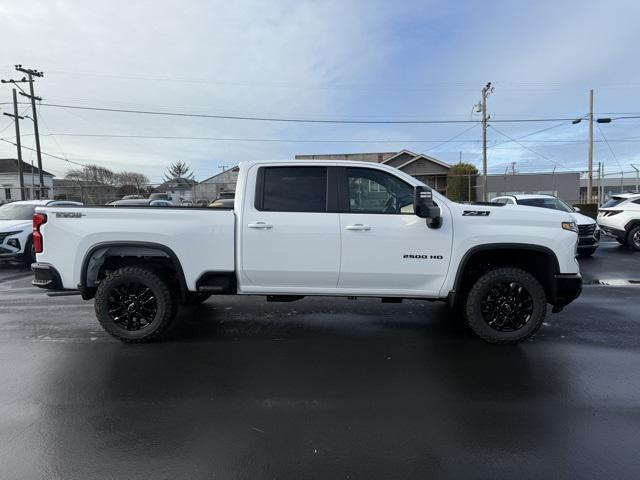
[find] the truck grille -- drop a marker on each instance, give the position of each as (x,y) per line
(586,230)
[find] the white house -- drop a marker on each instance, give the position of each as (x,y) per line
(10,181)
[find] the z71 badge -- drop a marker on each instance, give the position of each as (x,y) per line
(476,213)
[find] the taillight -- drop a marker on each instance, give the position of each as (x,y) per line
(38,220)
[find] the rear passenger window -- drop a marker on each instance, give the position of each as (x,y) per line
(294,189)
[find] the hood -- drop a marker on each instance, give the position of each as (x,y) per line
(582,219)
(515,214)
(12,225)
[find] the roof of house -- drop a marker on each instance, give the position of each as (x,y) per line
(416,156)
(10,165)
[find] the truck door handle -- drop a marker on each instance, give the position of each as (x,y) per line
(358,227)
(261,225)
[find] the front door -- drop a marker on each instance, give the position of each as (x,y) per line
(290,244)
(386,249)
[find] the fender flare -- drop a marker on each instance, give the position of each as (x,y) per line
(87,291)
(451,297)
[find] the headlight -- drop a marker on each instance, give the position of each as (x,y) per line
(571,226)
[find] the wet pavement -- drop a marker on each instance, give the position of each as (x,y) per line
(320,388)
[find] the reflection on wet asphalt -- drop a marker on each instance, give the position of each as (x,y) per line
(321,388)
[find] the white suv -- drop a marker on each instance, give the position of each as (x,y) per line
(619,217)
(16,227)
(588,230)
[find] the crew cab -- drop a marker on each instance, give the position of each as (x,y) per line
(588,230)
(299,228)
(15,227)
(619,217)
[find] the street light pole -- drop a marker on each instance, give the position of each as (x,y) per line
(636,169)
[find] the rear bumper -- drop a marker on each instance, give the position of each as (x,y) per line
(566,288)
(46,276)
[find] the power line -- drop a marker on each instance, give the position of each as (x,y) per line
(610,149)
(45,153)
(298,120)
(530,149)
(453,138)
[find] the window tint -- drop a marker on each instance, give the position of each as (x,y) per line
(295,189)
(374,191)
(612,202)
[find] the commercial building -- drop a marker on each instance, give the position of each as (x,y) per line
(563,185)
(213,187)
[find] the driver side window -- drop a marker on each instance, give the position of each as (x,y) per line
(375,191)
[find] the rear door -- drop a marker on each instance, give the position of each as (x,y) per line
(386,248)
(290,243)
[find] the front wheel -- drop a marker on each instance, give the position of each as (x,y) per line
(134,304)
(633,238)
(506,306)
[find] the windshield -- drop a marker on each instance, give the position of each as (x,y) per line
(17,212)
(551,202)
(612,202)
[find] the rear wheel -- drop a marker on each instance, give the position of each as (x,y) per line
(506,306)
(633,238)
(134,304)
(29,254)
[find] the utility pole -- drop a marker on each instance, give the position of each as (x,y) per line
(482,107)
(30,74)
(17,119)
(590,166)
(637,172)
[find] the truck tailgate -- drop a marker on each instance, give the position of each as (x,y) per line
(201,239)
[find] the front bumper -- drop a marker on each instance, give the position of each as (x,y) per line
(45,276)
(613,232)
(566,288)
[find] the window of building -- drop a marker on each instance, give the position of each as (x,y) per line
(294,189)
(375,191)
(7,194)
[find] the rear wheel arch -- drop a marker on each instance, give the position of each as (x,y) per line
(111,255)
(540,261)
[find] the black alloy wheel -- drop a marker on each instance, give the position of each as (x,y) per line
(507,307)
(634,238)
(132,306)
(135,304)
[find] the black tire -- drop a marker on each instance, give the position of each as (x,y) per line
(29,254)
(193,299)
(633,239)
(621,241)
(130,296)
(511,295)
(586,253)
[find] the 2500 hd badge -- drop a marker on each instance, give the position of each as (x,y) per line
(424,257)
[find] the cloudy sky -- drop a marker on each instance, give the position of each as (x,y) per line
(343,59)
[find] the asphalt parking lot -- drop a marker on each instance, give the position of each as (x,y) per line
(321,388)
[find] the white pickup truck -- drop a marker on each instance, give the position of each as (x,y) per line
(303,228)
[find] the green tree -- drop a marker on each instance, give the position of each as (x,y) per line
(178,169)
(460,182)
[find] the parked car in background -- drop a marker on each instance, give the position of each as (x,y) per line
(224,203)
(619,217)
(141,202)
(588,230)
(16,227)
